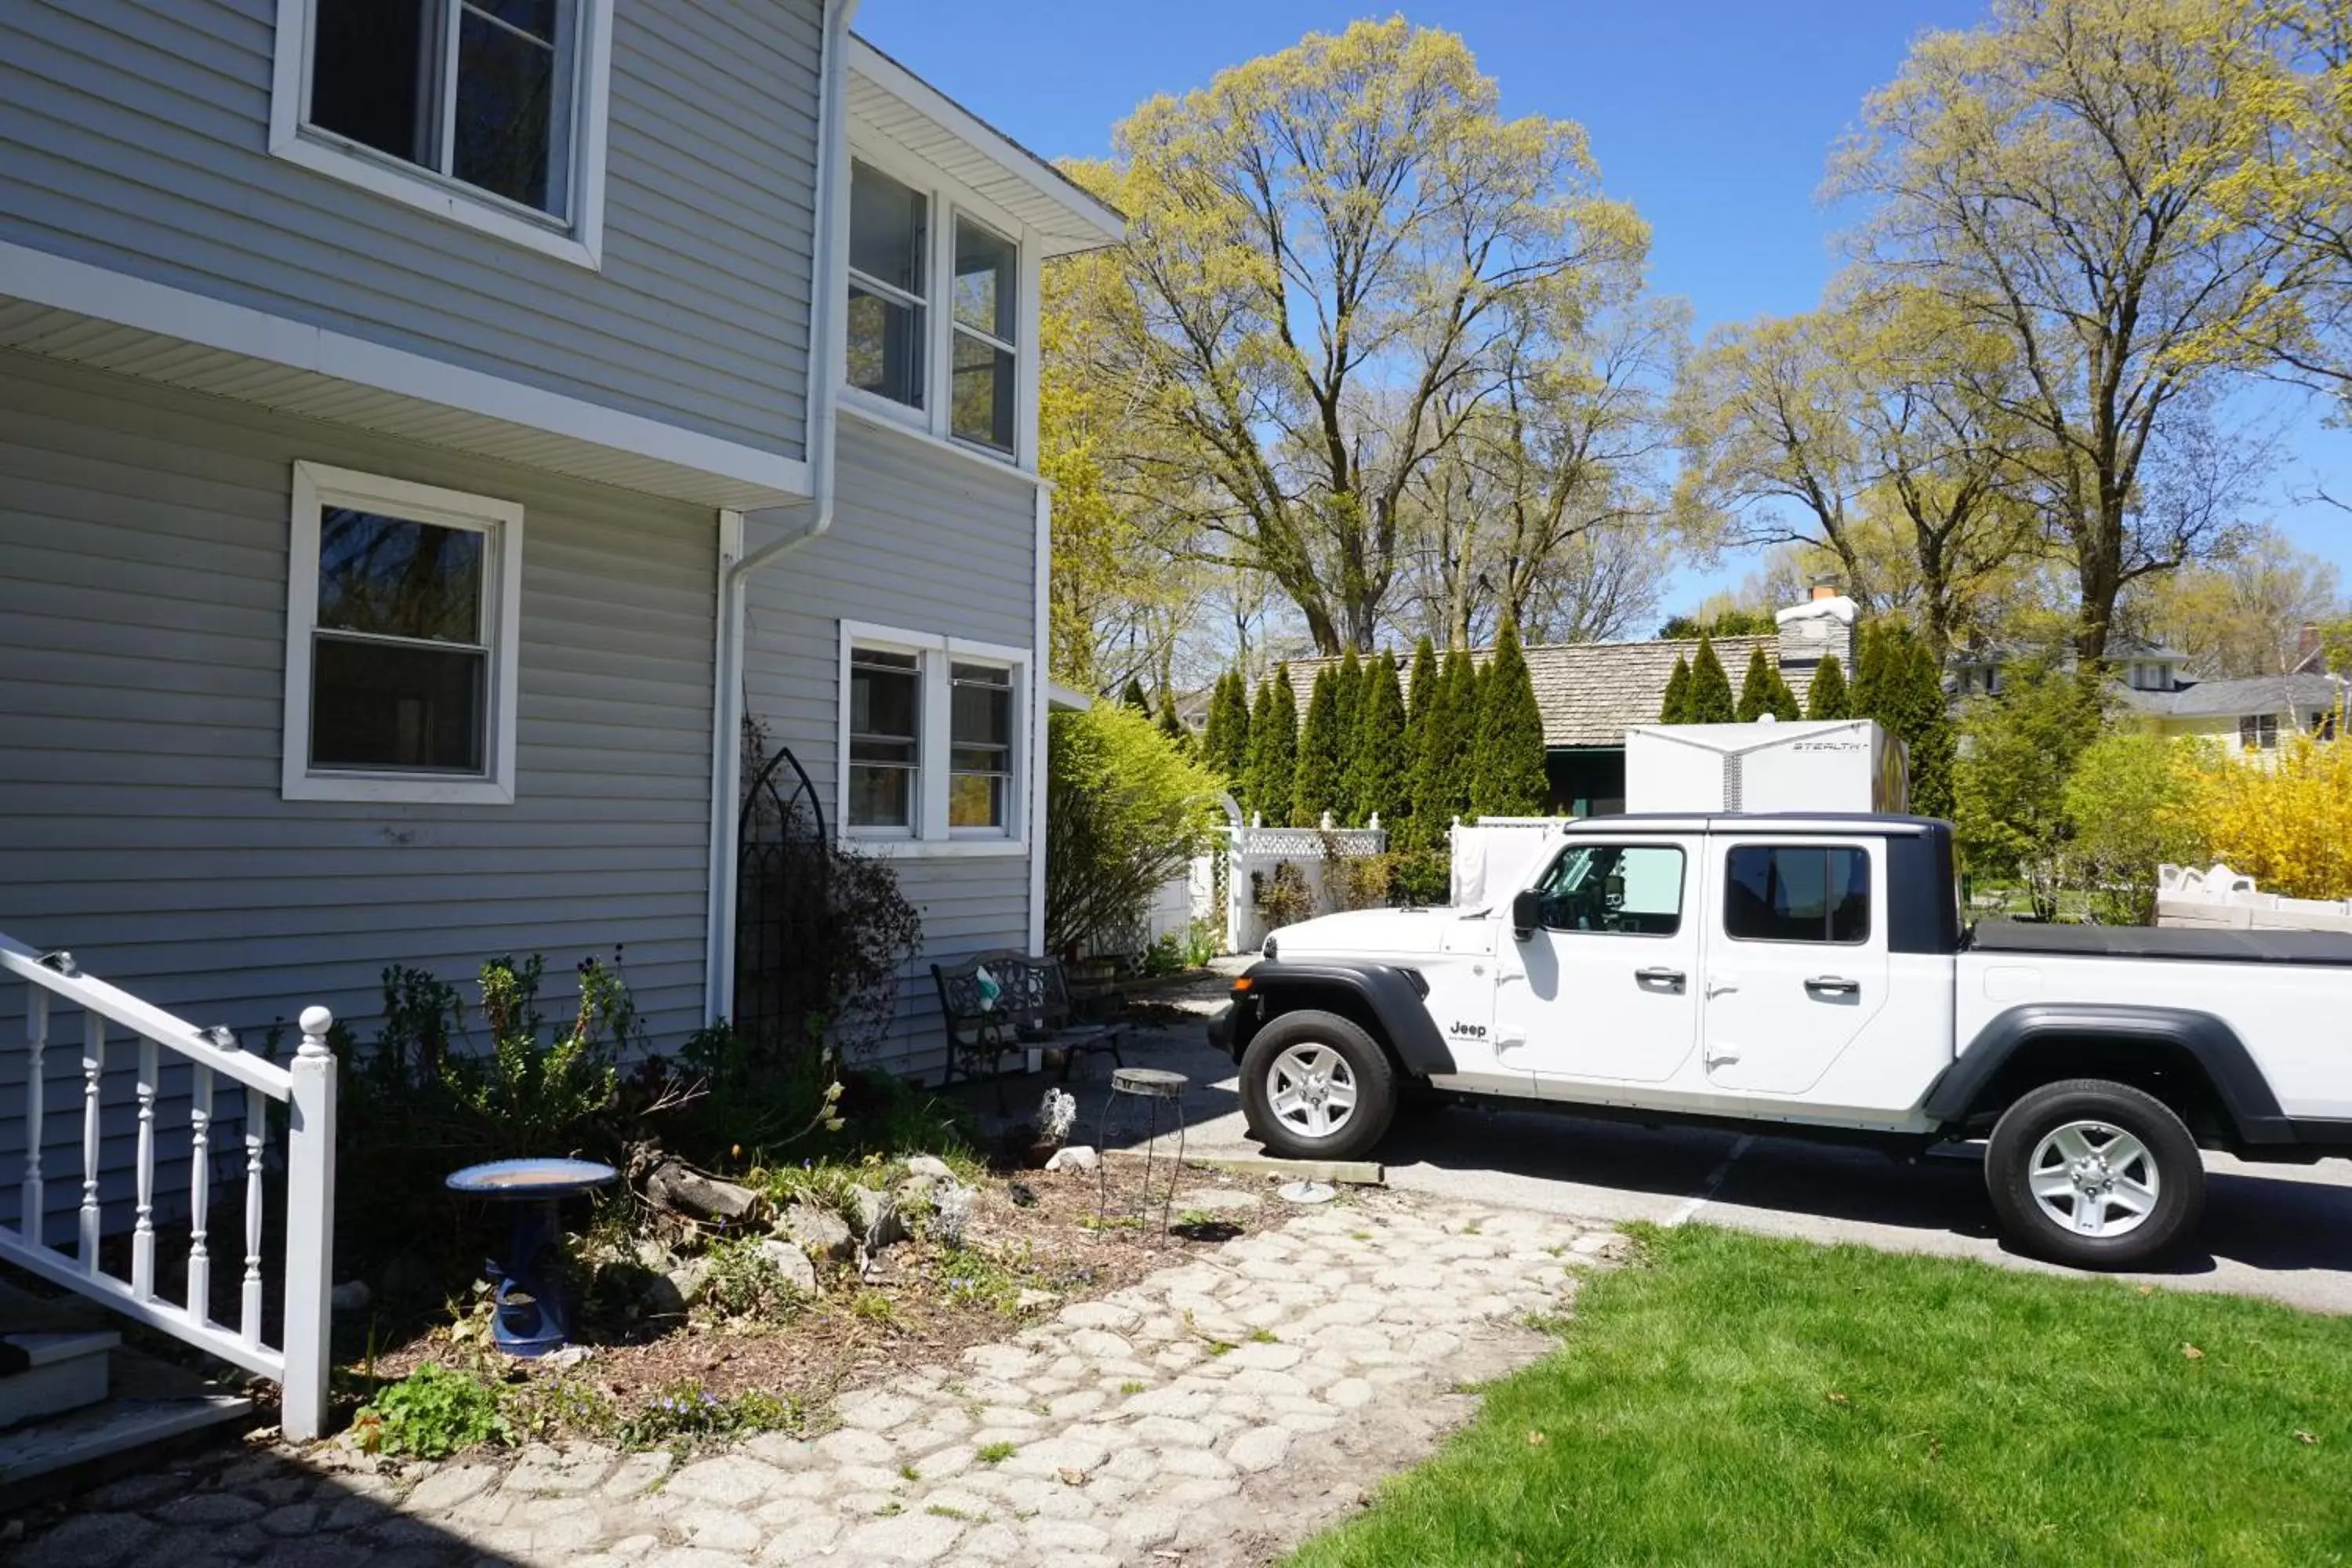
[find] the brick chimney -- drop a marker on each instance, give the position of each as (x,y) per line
(1824,588)
(1815,630)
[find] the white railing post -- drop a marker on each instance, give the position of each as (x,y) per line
(93,1072)
(200,1194)
(309,1229)
(142,1230)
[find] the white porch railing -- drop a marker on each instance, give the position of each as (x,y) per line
(299,1364)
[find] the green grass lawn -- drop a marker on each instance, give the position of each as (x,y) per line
(1734,1400)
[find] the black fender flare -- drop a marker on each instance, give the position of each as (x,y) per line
(1389,992)
(2244,1093)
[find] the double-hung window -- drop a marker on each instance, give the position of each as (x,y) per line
(402,609)
(934,312)
(2258,732)
(932,739)
(490,113)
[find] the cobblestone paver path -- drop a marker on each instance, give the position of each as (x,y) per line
(1208,1415)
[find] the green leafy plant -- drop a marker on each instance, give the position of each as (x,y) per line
(1126,812)
(527,1095)
(685,1411)
(994,1453)
(1283,895)
(433,1412)
(745,1284)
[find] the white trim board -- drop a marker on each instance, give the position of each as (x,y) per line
(763,478)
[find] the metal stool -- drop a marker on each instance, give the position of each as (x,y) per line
(1154,1086)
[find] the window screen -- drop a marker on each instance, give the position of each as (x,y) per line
(1628,889)
(1797,893)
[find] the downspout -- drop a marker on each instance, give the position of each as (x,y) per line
(827,295)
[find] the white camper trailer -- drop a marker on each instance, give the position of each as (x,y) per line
(1818,766)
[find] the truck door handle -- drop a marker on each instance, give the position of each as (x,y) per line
(1672,979)
(1832,985)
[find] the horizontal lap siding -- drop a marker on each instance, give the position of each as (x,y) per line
(136,135)
(926,543)
(142,608)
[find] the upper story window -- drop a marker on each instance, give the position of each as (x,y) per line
(889,241)
(934,311)
(488,113)
(401,614)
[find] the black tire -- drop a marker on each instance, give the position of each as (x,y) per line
(2165,1145)
(1367,1071)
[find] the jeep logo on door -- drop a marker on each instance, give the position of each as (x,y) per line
(1462,1031)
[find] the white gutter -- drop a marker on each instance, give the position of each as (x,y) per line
(826,366)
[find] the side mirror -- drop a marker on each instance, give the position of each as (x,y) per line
(1527,912)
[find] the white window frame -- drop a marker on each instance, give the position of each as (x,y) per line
(949,203)
(578,238)
(931,835)
(318,486)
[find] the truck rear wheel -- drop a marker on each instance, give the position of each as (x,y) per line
(2094,1174)
(1316,1086)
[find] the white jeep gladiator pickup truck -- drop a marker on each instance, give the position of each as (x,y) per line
(1809,975)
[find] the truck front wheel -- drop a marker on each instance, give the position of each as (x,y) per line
(2094,1174)
(1316,1086)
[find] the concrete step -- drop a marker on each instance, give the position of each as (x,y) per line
(88,1438)
(68,1371)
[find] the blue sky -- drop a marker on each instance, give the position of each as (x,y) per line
(1714,117)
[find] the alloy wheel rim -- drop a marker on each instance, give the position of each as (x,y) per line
(2093,1179)
(1311,1090)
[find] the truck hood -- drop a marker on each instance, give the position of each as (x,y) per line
(1362,934)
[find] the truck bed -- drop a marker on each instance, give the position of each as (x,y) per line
(2309,947)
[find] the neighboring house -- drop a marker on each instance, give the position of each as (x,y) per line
(1590,693)
(2252,712)
(424,437)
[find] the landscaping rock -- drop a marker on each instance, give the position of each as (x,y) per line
(879,1224)
(790,1262)
(929,1165)
(679,1289)
(351,1295)
(817,1230)
(674,1187)
(1076,1157)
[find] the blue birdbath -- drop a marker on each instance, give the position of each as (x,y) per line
(535,1308)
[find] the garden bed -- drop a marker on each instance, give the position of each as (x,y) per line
(757,1358)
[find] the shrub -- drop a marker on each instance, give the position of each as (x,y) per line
(1709,700)
(2131,802)
(1507,770)
(1676,708)
(526,1096)
(2288,824)
(2018,748)
(1827,698)
(1273,749)
(1126,812)
(1377,780)
(1322,751)
(432,1412)
(1283,895)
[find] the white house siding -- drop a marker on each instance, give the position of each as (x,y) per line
(143,605)
(925,542)
(134,134)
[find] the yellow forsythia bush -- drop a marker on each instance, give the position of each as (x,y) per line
(2288,826)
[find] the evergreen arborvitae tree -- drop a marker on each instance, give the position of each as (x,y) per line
(1434,743)
(1916,679)
(1676,708)
(1217,723)
(1782,702)
(1829,697)
(1322,752)
(1348,693)
(1273,749)
(1377,775)
(1237,730)
(1134,698)
(1170,724)
(1507,776)
(1425,680)
(1710,700)
(1462,697)
(1869,671)
(1755,687)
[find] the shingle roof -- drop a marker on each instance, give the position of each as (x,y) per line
(2236,699)
(1588,692)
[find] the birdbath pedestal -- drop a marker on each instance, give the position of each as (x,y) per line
(533,1306)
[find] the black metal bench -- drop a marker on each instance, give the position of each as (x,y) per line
(1000,1004)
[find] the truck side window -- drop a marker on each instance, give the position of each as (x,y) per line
(1797,893)
(1633,889)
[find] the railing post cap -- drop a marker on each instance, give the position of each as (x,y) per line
(316,1022)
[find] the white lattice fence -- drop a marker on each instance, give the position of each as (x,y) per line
(1254,854)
